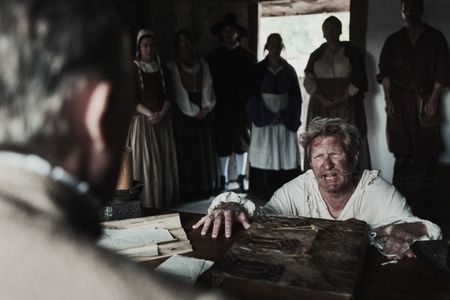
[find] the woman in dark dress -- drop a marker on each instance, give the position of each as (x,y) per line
(336,79)
(194,99)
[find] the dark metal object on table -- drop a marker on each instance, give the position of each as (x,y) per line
(125,204)
(435,254)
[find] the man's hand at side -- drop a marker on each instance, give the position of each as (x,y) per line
(399,237)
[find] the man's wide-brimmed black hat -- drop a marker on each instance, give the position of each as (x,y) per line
(230,20)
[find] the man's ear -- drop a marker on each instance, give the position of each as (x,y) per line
(97,104)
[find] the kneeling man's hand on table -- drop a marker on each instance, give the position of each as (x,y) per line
(227,208)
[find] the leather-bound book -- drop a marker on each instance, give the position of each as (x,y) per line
(295,258)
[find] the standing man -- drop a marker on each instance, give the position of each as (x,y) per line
(230,65)
(414,68)
(65,107)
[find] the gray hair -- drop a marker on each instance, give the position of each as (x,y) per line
(325,127)
(49,50)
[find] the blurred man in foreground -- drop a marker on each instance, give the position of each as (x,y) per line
(65,108)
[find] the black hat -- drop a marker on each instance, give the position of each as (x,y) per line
(230,20)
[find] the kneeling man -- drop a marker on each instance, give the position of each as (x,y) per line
(332,190)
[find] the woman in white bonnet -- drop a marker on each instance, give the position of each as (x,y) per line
(150,135)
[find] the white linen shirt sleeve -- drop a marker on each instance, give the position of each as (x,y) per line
(180,94)
(382,204)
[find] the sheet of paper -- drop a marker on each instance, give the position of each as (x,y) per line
(149,250)
(134,237)
(184,268)
(172,222)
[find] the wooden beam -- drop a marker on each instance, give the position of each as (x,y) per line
(253,26)
(302,7)
(358,22)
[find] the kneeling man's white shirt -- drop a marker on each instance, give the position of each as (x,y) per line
(374,201)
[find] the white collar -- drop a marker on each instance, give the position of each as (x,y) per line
(148,67)
(273,70)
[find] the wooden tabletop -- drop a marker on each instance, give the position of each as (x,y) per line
(407,279)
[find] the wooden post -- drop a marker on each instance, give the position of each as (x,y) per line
(358,22)
(253,26)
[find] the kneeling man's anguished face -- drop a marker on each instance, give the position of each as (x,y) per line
(330,164)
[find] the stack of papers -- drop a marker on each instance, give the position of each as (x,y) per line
(184,268)
(146,238)
(135,241)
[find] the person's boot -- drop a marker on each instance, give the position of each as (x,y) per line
(223,184)
(242,184)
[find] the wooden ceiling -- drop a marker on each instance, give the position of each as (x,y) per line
(271,8)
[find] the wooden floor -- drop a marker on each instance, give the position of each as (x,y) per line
(201,206)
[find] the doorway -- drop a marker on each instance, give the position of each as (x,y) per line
(300,25)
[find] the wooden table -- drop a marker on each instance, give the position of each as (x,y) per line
(408,279)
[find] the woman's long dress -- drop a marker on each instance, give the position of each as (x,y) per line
(153,148)
(334,74)
(274,152)
(196,153)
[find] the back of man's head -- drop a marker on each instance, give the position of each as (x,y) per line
(50,50)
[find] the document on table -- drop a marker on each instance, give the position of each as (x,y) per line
(146,238)
(184,268)
(149,250)
(135,241)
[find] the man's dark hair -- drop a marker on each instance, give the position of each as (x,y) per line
(418,3)
(276,36)
(334,21)
(179,33)
(49,49)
